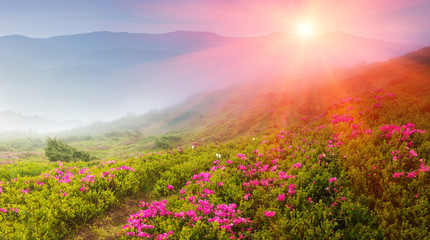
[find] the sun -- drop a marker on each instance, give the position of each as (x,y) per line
(305,29)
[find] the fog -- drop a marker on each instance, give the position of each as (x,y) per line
(52,84)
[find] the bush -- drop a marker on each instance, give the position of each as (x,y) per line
(167,142)
(57,150)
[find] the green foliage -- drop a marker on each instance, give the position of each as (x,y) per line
(339,175)
(57,150)
(167,142)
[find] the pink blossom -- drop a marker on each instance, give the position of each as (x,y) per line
(334,179)
(281,197)
(247,196)
(396,175)
(208,192)
(423,168)
(297,165)
(25,191)
(202,177)
(412,174)
(170,187)
(192,199)
(143,235)
(284,175)
(164,236)
(291,188)
(269,213)
(344,118)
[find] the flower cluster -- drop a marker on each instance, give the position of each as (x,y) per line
(404,130)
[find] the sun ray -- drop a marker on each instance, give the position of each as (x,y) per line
(305,29)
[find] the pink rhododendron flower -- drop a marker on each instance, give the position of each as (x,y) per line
(291,188)
(143,235)
(247,196)
(281,197)
(344,118)
(170,187)
(208,191)
(25,191)
(269,213)
(164,236)
(334,179)
(297,165)
(192,198)
(396,175)
(412,174)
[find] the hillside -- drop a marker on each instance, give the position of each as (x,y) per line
(248,108)
(357,169)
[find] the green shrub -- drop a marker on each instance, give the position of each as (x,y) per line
(57,150)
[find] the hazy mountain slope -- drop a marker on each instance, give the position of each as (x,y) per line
(104,75)
(237,110)
(256,59)
(35,52)
(180,41)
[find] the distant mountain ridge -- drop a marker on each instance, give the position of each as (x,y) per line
(179,41)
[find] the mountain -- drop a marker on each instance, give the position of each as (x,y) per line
(180,41)
(11,121)
(105,75)
(35,52)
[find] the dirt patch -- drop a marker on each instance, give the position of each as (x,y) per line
(107,226)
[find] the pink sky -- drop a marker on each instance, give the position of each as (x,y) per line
(392,20)
(256,17)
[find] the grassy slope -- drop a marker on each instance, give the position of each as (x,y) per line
(378,204)
(384,178)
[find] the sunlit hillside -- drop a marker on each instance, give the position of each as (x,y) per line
(344,160)
(250,108)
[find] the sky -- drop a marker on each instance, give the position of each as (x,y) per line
(391,20)
(398,21)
